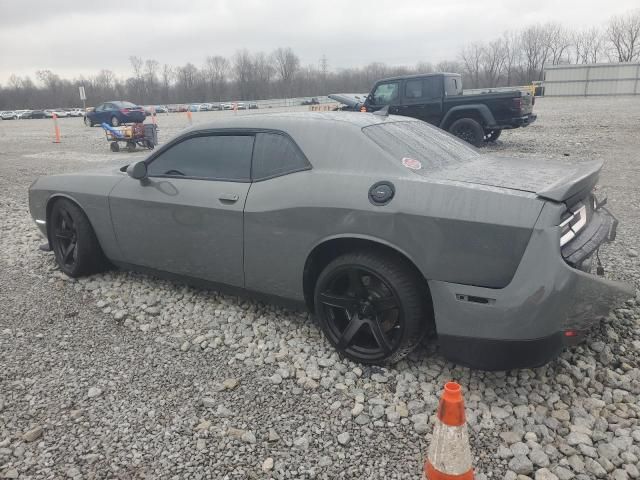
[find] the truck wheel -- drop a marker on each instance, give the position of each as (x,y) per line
(492,135)
(468,130)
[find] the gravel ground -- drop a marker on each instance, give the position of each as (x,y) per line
(122,375)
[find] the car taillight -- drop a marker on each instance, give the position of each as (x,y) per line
(124,110)
(572,222)
(517,103)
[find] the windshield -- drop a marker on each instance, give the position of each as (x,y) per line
(431,147)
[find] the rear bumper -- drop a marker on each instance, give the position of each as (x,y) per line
(517,122)
(523,324)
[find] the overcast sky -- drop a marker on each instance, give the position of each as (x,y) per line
(80,37)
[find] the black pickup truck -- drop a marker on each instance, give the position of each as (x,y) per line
(438,99)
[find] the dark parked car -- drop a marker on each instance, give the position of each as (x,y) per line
(115,113)
(386,227)
(438,99)
(38,114)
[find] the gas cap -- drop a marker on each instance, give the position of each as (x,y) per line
(381,193)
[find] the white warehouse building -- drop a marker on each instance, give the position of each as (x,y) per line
(592,79)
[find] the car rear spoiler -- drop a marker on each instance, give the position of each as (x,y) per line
(583,179)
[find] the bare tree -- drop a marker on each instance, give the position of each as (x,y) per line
(557,41)
(588,45)
(623,32)
(535,51)
(512,45)
(216,70)
(151,68)
(167,74)
(287,65)
(243,70)
(492,61)
(471,57)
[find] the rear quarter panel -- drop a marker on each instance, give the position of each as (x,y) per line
(451,232)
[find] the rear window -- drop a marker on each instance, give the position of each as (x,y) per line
(125,104)
(432,147)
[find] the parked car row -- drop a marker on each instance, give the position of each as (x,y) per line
(48,113)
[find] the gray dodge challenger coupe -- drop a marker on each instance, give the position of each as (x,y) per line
(385,227)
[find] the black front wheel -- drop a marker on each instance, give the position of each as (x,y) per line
(492,135)
(469,130)
(371,307)
(74,242)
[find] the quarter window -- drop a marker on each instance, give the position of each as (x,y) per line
(385,93)
(275,154)
(219,157)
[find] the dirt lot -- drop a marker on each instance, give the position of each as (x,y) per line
(125,376)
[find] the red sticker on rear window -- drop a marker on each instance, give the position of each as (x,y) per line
(411,163)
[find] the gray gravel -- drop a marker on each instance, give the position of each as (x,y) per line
(121,375)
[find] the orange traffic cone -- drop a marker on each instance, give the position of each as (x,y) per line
(56,129)
(449,455)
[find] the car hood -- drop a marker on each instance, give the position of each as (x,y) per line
(349,99)
(556,180)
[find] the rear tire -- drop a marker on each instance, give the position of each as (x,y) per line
(371,306)
(469,130)
(492,135)
(114,147)
(73,240)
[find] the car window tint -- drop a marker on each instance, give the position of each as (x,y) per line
(432,147)
(221,157)
(413,89)
(275,154)
(385,93)
(431,87)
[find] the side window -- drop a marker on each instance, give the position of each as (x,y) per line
(432,87)
(219,157)
(275,154)
(100,108)
(413,89)
(453,86)
(385,93)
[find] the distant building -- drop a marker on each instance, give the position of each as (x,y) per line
(592,79)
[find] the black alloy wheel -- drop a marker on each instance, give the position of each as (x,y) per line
(370,309)
(469,130)
(74,243)
(65,241)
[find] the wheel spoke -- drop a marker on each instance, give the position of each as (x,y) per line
(67,219)
(355,283)
(353,327)
(383,304)
(380,337)
(64,235)
(67,252)
(349,304)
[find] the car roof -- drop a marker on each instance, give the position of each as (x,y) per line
(419,75)
(285,120)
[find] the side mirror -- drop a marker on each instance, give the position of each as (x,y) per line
(137,170)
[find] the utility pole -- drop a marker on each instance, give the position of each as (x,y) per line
(324,70)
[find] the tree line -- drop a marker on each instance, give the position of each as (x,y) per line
(513,58)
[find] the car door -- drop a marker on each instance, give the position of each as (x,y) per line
(98,113)
(422,99)
(186,217)
(387,93)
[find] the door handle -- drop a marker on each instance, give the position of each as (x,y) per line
(228,198)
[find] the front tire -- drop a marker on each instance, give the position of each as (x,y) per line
(371,307)
(469,130)
(74,242)
(492,135)
(115,122)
